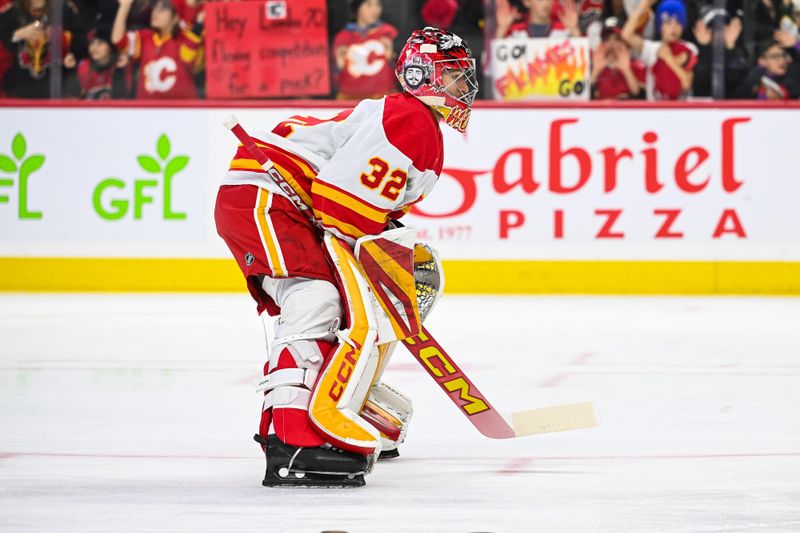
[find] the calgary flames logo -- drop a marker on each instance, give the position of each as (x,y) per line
(458,118)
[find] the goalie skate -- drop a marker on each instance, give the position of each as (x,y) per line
(290,466)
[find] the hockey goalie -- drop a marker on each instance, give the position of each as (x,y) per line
(346,283)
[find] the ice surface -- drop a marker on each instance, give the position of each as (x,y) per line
(135,413)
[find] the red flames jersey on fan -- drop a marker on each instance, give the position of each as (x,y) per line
(357,169)
(166,65)
(662,83)
(97,85)
(611,84)
(367,69)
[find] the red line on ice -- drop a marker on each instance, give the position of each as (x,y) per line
(516,465)
(554,380)
(582,359)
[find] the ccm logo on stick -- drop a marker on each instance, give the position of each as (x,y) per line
(440,366)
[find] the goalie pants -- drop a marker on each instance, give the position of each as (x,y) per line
(315,384)
(268,236)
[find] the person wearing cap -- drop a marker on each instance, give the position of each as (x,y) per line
(615,75)
(363,52)
(670,62)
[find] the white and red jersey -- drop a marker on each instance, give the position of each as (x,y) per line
(660,81)
(358,169)
(368,69)
(166,64)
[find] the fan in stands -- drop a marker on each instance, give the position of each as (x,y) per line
(308,210)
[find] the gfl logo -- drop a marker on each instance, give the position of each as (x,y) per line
(16,168)
(113,197)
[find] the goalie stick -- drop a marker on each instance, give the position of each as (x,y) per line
(477,408)
(430,354)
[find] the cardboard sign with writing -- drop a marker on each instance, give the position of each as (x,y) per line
(541,69)
(273,48)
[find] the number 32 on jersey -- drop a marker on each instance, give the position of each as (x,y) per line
(388,183)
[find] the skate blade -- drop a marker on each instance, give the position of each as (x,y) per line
(315,479)
(389,454)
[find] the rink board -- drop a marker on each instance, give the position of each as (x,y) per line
(635,199)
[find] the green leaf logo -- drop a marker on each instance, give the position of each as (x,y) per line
(176,165)
(149,164)
(7,164)
(17,162)
(19,146)
(162,146)
(169,167)
(32,164)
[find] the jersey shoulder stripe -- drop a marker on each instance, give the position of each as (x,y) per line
(335,195)
(410,127)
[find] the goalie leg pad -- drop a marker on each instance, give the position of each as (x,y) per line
(310,312)
(349,372)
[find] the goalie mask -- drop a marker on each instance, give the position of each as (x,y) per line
(437,67)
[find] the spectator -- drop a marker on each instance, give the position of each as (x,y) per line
(539,22)
(363,53)
(105,73)
(468,23)
(736,63)
(139,14)
(789,33)
(5,56)
(590,17)
(775,77)
(166,53)
(767,17)
(190,12)
(615,76)
(26,33)
(670,62)
(439,13)
(614,8)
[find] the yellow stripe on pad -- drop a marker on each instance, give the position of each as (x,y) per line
(267,235)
